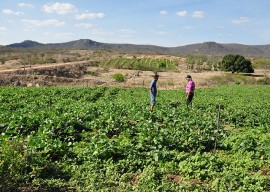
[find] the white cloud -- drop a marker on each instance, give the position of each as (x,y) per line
(60,8)
(11,12)
(25,5)
(163,12)
(90,16)
(85,25)
(198,14)
(241,20)
(41,23)
(182,13)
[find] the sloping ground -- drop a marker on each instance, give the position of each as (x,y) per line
(208,48)
(167,80)
(84,73)
(81,73)
(57,74)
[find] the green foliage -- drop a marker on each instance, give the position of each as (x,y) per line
(261,63)
(48,60)
(105,139)
(236,63)
(12,163)
(232,79)
(196,61)
(3,60)
(162,64)
(264,81)
(118,77)
(147,64)
(21,163)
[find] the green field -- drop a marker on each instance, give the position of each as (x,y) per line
(105,139)
(147,63)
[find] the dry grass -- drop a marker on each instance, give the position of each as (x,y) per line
(168,80)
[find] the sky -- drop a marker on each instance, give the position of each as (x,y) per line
(168,23)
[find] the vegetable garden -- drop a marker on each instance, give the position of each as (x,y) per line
(161,64)
(105,139)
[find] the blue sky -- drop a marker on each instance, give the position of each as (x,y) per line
(166,23)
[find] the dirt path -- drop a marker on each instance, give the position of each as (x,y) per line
(99,76)
(42,66)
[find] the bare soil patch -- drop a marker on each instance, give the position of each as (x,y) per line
(85,73)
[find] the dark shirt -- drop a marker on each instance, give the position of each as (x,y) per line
(153,86)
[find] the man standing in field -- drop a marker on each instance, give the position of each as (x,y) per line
(190,89)
(153,92)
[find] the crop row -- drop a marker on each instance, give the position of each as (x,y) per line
(141,63)
(105,139)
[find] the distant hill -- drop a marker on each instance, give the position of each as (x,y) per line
(213,48)
(206,48)
(26,44)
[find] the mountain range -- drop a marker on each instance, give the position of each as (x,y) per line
(206,48)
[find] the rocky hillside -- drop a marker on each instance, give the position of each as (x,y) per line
(208,48)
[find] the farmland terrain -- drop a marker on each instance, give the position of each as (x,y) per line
(94,68)
(78,120)
(105,139)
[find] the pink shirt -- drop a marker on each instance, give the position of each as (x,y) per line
(190,86)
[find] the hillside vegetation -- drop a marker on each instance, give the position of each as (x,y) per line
(206,48)
(88,67)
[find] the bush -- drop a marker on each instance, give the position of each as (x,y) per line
(162,64)
(118,77)
(264,81)
(231,79)
(2,60)
(50,60)
(236,63)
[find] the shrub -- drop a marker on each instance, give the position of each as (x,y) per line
(2,60)
(50,60)
(264,81)
(236,63)
(162,64)
(231,79)
(118,77)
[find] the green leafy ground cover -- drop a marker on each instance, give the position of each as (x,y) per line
(105,139)
(160,64)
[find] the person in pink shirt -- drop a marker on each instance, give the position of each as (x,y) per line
(190,90)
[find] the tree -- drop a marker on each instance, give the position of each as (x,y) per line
(236,63)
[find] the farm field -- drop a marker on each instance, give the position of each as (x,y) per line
(105,139)
(94,68)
